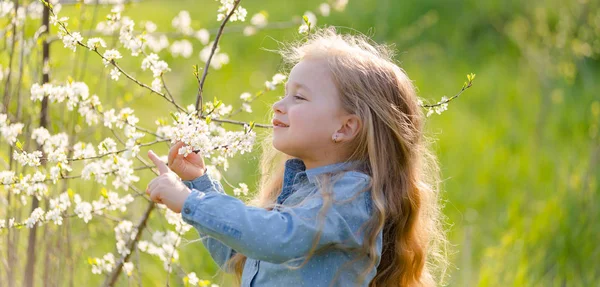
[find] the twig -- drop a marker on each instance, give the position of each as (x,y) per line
(466,86)
(114,64)
(111,279)
(199,107)
(79,176)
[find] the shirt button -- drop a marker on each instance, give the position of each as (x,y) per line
(187,210)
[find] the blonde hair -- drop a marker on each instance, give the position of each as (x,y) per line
(404,172)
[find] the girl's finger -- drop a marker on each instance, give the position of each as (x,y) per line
(162,167)
(174,151)
(152,182)
(154,196)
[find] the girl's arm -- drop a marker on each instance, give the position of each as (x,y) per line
(220,252)
(288,233)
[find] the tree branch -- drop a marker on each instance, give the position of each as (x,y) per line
(199,107)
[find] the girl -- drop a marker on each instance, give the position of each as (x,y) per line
(348,194)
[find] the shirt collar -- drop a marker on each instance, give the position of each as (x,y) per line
(295,166)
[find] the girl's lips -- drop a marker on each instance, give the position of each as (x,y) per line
(278,123)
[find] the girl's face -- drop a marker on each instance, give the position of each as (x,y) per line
(311,110)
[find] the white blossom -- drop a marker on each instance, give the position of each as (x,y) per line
(83,150)
(7,177)
(181,48)
(182,22)
(312,18)
(94,43)
(10,131)
(108,145)
(115,73)
(110,55)
(249,31)
(245,96)
(150,26)
(259,20)
(210,139)
(246,108)
(148,61)
(276,80)
(110,118)
(157,84)
(128,268)
(25,158)
(55,216)
(339,5)
(175,219)
(163,246)
(71,40)
(56,156)
(6,7)
(104,264)
(156,44)
(124,232)
(203,36)
(61,203)
(324,9)
(218,60)
(226,7)
(159,67)
(54,173)
(192,279)
(129,41)
(36,216)
(303,29)
(243,189)
(83,209)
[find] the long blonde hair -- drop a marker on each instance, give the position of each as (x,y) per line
(404,172)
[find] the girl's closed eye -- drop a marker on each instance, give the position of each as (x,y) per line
(299,98)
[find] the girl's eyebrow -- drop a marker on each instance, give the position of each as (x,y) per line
(298,85)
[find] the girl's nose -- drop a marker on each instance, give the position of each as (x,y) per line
(279,107)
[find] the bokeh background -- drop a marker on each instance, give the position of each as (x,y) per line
(519,151)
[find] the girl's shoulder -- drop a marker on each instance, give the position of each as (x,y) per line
(352,194)
(351,184)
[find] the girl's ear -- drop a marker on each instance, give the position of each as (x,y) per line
(350,126)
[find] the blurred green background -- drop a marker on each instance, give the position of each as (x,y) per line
(519,151)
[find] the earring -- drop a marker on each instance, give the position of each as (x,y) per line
(335,138)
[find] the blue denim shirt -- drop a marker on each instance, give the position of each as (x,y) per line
(275,240)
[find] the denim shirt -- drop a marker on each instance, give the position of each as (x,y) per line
(275,240)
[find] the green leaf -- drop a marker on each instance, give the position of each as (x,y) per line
(19,145)
(174,116)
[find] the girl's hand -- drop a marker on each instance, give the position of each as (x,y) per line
(166,188)
(187,168)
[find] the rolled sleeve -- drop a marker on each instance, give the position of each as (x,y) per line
(203,183)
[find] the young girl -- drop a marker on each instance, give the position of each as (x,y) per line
(348,194)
